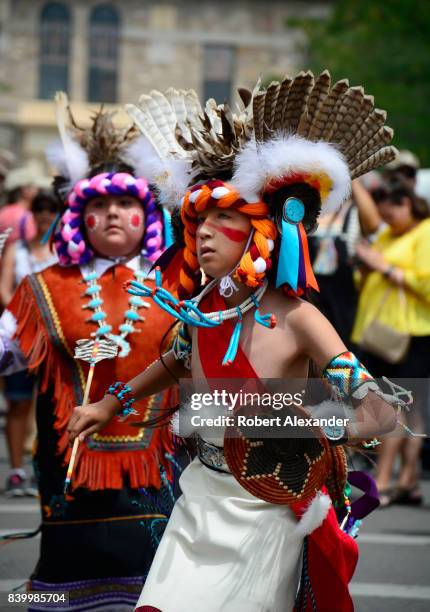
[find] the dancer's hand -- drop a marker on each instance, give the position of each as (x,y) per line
(88,419)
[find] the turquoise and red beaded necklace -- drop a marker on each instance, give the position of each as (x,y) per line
(99,316)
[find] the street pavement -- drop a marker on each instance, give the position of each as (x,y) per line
(393,573)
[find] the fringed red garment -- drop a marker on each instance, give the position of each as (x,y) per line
(50,319)
(332,554)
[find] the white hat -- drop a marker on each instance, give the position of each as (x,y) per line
(20,177)
(404,158)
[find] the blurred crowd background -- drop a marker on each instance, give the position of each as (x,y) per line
(372,258)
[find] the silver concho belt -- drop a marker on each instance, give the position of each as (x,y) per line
(212,456)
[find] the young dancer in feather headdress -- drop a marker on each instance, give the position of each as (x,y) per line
(255,528)
(111,231)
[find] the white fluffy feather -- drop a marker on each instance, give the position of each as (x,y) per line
(256,165)
(313,516)
(170,176)
(74,165)
(73,159)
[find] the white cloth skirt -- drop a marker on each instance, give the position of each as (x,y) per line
(224,550)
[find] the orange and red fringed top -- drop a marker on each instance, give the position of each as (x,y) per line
(50,319)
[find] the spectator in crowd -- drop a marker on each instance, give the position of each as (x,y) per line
(396,294)
(16,214)
(20,259)
(7,161)
(332,250)
(406,165)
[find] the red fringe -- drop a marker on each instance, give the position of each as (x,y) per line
(37,348)
(141,467)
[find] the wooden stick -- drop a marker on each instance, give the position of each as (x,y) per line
(84,403)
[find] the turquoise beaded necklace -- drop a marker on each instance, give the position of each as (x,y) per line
(99,316)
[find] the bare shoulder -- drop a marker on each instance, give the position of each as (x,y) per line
(293,311)
(314,335)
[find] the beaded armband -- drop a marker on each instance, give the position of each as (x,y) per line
(182,347)
(123,393)
(351,380)
(349,377)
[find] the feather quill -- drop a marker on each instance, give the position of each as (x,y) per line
(74,161)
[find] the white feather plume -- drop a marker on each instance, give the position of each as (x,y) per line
(171,176)
(72,161)
(313,516)
(284,155)
(74,166)
(157,115)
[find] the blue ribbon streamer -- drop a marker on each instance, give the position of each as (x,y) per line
(168,233)
(288,264)
(50,229)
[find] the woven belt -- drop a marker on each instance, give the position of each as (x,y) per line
(212,456)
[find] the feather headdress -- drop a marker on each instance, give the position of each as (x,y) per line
(100,160)
(302,126)
(188,143)
(84,151)
(295,145)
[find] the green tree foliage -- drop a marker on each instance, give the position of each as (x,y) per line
(385,46)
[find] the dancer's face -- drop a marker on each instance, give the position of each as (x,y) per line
(221,239)
(115,225)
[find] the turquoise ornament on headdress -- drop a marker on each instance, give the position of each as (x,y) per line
(293,212)
(167,226)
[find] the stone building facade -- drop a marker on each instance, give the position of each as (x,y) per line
(114,51)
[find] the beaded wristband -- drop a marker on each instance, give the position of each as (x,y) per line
(124,395)
(182,347)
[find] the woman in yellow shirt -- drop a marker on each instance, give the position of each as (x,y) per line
(396,292)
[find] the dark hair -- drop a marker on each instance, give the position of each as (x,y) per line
(395,190)
(405,171)
(45,200)
(178,228)
(14,195)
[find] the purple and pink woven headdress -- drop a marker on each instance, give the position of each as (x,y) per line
(69,241)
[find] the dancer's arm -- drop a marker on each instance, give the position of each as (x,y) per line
(88,419)
(368,214)
(373,415)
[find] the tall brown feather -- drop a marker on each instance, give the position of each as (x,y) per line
(258,115)
(315,102)
(297,100)
(382,157)
(322,121)
(269,108)
(281,102)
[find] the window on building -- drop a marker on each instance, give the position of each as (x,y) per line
(103,54)
(218,68)
(54,36)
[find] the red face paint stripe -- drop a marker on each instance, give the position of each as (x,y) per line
(231,234)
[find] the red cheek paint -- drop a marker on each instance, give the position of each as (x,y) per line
(231,234)
(136,220)
(91,221)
